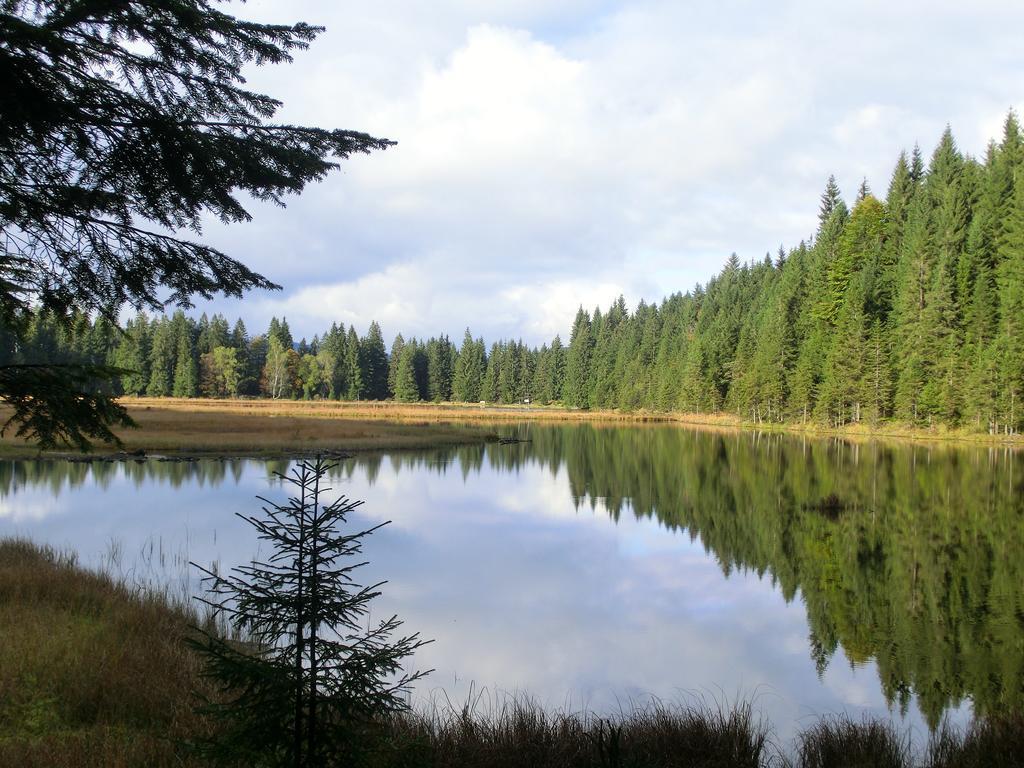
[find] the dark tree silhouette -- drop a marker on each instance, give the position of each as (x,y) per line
(310,673)
(121,126)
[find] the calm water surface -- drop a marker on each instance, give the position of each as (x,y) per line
(592,567)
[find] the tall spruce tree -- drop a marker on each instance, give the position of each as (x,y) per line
(132,356)
(397,346)
(354,367)
(577,362)
(406,387)
(470,366)
(374,362)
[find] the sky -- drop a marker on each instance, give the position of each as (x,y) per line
(557,154)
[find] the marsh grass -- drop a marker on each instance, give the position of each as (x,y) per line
(515,732)
(92,672)
(257,427)
(839,742)
(992,743)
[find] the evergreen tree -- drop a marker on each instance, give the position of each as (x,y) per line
(470,366)
(554,382)
(577,362)
(440,369)
(842,387)
(539,387)
(877,389)
(489,387)
(239,336)
(830,198)
(393,361)
(859,245)
(279,330)
(132,356)
(374,362)
(950,210)
(509,374)
(333,352)
(314,673)
(163,358)
(940,396)
(354,366)
(406,388)
(186,371)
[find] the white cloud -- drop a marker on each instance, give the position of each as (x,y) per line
(424,298)
(548,152)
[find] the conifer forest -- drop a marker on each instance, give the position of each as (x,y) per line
(511,384)
(906,306)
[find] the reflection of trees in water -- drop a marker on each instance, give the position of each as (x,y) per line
(909,555)
(58,475)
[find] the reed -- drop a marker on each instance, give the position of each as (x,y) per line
(517,733)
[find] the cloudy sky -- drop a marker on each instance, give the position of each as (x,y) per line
(552,154)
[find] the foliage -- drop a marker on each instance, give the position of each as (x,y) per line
(58,405)
(310,673)
(907,308)
(124,124)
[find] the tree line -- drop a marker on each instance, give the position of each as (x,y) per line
(180,356)
(908,308)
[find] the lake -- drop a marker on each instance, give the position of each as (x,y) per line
(595,567)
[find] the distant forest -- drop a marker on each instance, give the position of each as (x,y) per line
(907,308)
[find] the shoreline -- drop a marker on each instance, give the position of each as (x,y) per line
(173,429)
(58,711)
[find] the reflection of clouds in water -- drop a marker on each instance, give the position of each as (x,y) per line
(522,594)
(519,589)
(859,688)
(29,507)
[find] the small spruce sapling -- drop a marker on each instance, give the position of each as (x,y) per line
(309,675)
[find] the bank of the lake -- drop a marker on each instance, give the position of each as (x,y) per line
(94,672)
(204,427)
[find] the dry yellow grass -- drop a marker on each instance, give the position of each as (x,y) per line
(92,672)
(397,412)
(197,427)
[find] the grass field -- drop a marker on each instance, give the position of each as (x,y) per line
(198,427)
(266,428)
(92,672)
